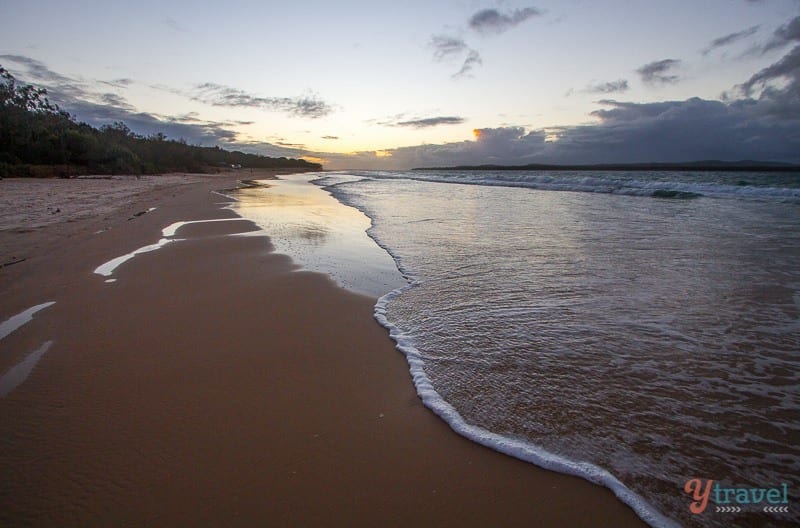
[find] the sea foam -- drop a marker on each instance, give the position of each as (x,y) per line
(514,447)
(107,269)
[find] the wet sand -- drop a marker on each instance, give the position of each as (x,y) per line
(212,384)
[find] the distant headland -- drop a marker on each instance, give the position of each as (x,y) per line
(703,166)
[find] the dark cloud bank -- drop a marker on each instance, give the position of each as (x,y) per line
(765,128)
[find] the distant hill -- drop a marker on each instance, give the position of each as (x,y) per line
(702,166)
(39,139)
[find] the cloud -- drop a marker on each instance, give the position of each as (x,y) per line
(493,22)
(36,70)
(788,67)
(786,34)
(220,95)
(729,39)
(620,85)
(194,131)
(656,72)
(779,86)
(60,87)
(330,137)
(445,46)
(193,117)
(405,120)
(626,132)
(473,59)
(116,100)
(268,149)
(118,83)
(780,89)
(763,127)
(431,122)
(486,22)
(90,102)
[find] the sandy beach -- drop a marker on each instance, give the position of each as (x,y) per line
(212,384)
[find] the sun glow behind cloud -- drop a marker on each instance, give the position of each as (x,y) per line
(551,136)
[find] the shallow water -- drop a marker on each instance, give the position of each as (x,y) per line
(655,338)
(307,223)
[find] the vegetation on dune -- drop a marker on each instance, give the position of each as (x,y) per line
(37,138)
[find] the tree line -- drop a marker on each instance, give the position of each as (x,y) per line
(37,138)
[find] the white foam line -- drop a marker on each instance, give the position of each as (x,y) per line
(20,372)
(167,233)
(108,268)
(510,446)
(171,229)
(11,324)
(229,197)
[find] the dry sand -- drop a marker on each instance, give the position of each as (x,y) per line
(209,386)
(28,205)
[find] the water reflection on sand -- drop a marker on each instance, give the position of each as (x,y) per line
(319,233)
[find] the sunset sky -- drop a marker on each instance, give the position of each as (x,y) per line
(418,83)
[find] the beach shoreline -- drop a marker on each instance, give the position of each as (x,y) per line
(214,384)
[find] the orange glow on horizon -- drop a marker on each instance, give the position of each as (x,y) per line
(315,159)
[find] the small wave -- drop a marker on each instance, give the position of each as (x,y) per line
(677,195)
(516,448)
(658,185)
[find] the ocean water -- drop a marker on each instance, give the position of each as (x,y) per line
(637,329)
